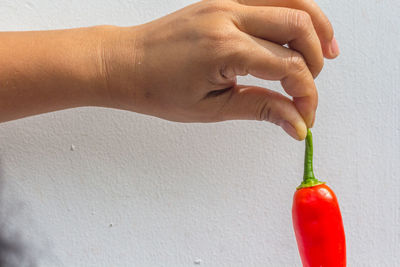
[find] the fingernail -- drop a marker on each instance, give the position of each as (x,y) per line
(290,130)
(313,121)
(334,47)
(309,119)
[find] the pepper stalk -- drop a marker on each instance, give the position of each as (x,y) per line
(309,179)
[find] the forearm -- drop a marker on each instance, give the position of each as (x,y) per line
(50,70)
(182,67)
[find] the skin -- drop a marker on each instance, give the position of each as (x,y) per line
(181,67)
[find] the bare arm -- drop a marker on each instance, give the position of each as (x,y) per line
(49,70)
(181,67)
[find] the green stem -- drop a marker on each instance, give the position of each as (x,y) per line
(309,179)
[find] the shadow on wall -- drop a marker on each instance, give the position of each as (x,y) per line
(13,250)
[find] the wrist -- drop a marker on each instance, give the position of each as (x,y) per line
(120,58)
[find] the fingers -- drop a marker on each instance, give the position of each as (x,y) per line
(284,25)
(271,61)
(255,103)
(321,23)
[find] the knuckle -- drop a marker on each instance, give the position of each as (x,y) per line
(301,20)
(263,110)
(221,43)
(216,23)
(296,62)
(212,7)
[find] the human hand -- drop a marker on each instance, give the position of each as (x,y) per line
(183,67)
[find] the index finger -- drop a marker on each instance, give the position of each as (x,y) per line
(321,23)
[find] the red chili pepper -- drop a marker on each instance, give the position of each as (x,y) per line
(317,220)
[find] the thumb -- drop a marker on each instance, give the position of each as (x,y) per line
(256,103)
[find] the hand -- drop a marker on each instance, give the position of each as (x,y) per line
(183,67)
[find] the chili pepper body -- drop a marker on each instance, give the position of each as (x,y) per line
(317,220)
(318,226)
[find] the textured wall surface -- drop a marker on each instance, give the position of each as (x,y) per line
(97,187)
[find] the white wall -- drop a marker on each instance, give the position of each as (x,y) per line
(139,191)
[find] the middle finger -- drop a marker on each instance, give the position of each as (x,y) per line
(283,26)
